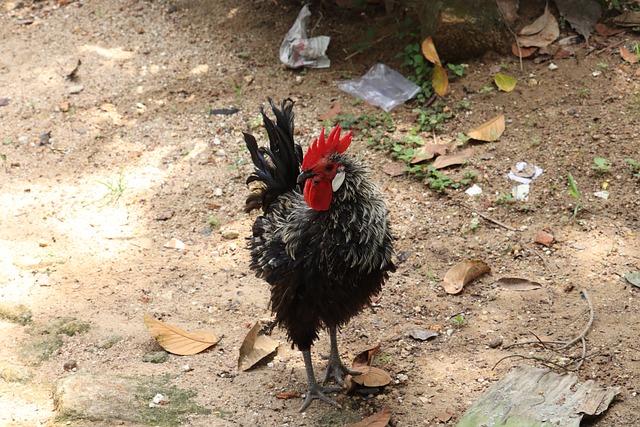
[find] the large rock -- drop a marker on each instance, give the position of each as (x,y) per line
(116,399)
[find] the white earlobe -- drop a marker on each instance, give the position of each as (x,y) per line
(337,181)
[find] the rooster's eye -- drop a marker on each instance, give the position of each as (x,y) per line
(329,167)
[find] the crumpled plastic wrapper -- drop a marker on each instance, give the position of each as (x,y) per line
(381,86)
(524,172)
(298,51)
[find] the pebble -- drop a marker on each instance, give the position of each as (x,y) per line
(496,342)
(70,365)
(217,192)
(230,234)
(75,89)
(187,368)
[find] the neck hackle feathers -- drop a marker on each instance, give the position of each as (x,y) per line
(322,147)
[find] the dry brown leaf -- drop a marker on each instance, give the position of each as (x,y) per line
(545,36)
(543,238)
(518,284)
(333,112)
(603,30)
(440,81)
(287,395)
(255,348)
(489,131)
(365,357)
(429,51)
(523,52)
(379,419)
(444,416)
(453,159)
(178,341)
(370,376)
(393,169)
(538,25)
(627,55)
(429,151)
(462,273)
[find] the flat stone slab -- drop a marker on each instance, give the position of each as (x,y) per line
(112,400)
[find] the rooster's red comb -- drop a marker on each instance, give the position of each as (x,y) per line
(322,147)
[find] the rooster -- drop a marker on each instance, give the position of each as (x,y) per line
(322,242)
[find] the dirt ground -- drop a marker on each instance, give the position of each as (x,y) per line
(133,159)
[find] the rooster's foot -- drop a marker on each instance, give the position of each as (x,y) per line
(318,392)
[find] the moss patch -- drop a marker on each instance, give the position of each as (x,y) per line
(15,313)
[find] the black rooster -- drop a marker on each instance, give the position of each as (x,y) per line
(322,242)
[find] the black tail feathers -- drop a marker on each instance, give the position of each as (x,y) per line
(276,167)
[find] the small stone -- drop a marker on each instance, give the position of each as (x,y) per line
(553,67)
(64,107)
(43,243)
(175,244)
(248,79)
(156,357)
(75,89)
(299,79)
(230,234)
(70,365)
(218,192)
(543,238)
(495,342)
(187,368)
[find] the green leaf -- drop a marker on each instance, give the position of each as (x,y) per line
(504,82)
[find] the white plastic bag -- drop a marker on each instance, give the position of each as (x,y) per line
(298,51)
(382,87)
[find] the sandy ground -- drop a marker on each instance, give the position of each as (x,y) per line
(133,159)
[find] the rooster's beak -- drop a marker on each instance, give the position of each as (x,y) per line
(304,176)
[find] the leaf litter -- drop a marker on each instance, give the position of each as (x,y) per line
(489,131)
(462,273)
(518,284)
(176,340)
(255,347)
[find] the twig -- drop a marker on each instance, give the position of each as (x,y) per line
(565,344)
(495,221)
(515,36)
(589,323)
(367,46)
(544,261)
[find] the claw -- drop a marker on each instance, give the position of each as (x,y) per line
(318,392)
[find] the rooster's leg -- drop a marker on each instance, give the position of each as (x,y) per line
(335,368)
(315,391)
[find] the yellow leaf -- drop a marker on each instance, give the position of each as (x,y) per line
(440,81)
(462,273)
(254,348)
(178,341)
(505,83)
(489,131)
(429,51)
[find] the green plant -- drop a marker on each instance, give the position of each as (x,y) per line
(214,222)
(459,320)
(419,70)
(115,187)
(432,118)
(504,198)
(575,193)
(236,88)
(486,89)
(368,40)
(184,152)
(463,104)
(535,142)
(602,64)
(601,165)
(458,70)
(243,55)
(4,160)
(635,166)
